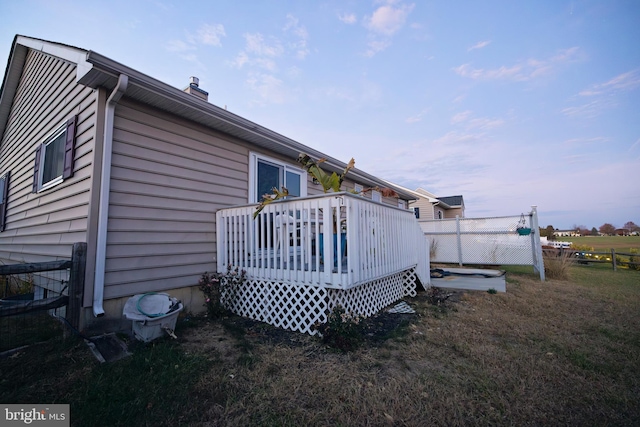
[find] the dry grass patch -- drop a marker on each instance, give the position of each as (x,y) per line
(553,353)
(543,353)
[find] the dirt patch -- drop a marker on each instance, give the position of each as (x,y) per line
(222,335)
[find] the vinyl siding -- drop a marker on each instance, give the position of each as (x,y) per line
(43,226)
(453,212)
(426,209)
(168,179)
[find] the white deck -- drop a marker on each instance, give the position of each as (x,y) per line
(296,274)
(286,242)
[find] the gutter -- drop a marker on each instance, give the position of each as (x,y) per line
(105,186)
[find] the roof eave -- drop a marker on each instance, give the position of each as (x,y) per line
(203,112)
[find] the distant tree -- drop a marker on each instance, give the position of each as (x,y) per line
(549,232)
(594,231)
(631,226)
(607,229)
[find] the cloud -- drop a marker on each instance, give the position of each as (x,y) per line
(385,21)
(207,34)
(241,59)
(583,141)
(466,70)
(210,34)
(337,93)
(256,44)
(179,46)
(417,117)
(479,45)
(521,71)
(456,138)
(268,60)
(347,18)
(388,19)
(575,158)
(624,82)
(300,32)
(376,46)
(603,96)
(466,119)
(269,88)
(485,123)
(590,109)
(461,117)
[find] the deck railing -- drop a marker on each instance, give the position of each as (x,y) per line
(336,240)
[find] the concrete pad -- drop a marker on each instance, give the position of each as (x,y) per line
(471,279)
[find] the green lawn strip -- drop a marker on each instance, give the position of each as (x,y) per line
(152,387)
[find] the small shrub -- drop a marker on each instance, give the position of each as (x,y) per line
(221,290)
(557,267)
(492,291)
(436,296)
(634,260)
(582,248)
(433,248)
(342,331)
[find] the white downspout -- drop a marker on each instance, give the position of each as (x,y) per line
(105,185)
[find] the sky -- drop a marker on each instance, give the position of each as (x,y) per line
(510,104)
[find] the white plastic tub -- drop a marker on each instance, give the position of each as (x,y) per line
(152,315)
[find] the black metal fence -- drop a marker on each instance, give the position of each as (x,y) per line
(37,298)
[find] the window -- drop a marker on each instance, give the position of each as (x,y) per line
(402,204)
(4,193)
(54,157)
(266,173)
(358,188)
(376,196)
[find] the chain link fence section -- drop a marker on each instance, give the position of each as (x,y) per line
(494,241)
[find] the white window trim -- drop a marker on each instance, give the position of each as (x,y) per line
(253,173)
(402,204)
(358,188)
(376,196)
(52,137)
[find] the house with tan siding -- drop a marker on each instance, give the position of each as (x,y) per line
(427,206)
(162,186)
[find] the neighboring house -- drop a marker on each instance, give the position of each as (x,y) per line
(428,206)
(622,232)
(566,233)
(452,206)
(160,184)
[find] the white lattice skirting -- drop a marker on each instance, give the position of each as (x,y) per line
(297,308)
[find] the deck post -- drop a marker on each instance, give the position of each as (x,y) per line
(327,232)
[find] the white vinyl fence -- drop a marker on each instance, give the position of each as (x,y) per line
(495,241)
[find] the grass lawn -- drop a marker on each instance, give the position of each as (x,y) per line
(552,353)
(619,243)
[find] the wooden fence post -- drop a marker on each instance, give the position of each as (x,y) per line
(76,283)
(613,259)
